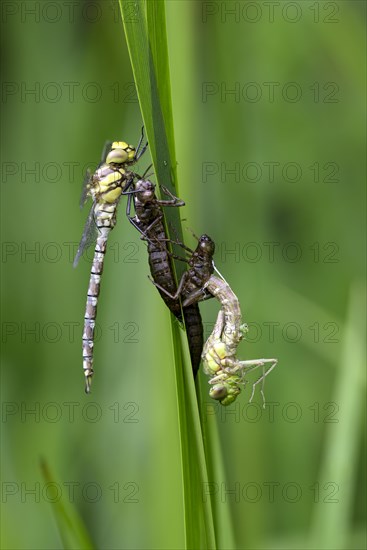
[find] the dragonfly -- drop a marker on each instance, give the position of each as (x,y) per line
(199,283)
(227,373)
(149,221)
(105,186)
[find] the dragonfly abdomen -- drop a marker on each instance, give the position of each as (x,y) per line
(105,220)
(232,334)
(91,305)
(195,334)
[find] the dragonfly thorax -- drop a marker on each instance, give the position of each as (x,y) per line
(107,184)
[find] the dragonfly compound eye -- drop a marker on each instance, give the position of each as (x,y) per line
(224,393)
(117,156)
(218,392)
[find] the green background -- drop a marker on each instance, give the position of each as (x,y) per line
(270,126)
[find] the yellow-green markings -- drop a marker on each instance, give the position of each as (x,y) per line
(105,187)
(227,373)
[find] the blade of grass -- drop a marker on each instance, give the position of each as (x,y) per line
(332,517)
(186,73)
(72,530)
(145,32)
(221,509)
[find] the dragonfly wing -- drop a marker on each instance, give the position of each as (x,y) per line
(85,188)
(88,175)
(89,236)
(105,151)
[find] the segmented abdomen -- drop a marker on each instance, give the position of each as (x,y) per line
(195,334)
(232,333)
(161,268)
(105,221)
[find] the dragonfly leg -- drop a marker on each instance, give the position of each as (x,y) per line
(141,139)
(217,330)
(139,153)
(144,234)
(146,175)
(254,364)
(175,201)
(180,258)
(198,295)
(179,288)
(134,223)
(129,183)
(178,242)
(192,233)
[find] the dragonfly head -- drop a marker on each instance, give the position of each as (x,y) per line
(121,153)
(206,245)
(145,190)
(225,392)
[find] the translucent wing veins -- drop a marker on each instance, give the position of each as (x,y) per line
(89,235)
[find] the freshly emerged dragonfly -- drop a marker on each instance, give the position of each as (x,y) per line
(149,221)
(111,179)
(219,354)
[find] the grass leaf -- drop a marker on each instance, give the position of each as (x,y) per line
(333,515)
(146,38)
(72,530)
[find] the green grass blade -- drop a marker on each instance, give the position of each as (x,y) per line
(72,530)
(157,116)
(158,42)
(186,75)
(146,38)
(332,523)
(221,509)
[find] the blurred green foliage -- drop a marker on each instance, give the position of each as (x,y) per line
(268,108)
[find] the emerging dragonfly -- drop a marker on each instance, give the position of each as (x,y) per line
(111,179)
(190,290)
(148,220)
(219,354)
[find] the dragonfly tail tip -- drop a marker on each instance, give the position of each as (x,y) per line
(88,382)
